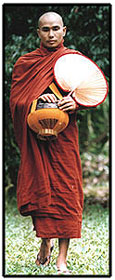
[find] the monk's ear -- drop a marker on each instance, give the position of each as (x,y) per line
(38,32)
(64,31)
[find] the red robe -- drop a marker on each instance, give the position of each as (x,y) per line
(49,186)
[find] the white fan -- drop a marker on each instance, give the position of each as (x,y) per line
(79,75)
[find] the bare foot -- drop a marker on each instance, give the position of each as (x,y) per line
(61,264)
(62,268)
(43,256)
(61,259)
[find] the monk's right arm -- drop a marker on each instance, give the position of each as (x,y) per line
(48,97)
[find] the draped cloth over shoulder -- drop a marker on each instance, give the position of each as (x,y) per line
(42,165)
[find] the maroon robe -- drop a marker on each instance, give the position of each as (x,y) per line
(49,186)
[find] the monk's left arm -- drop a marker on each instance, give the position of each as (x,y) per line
(67,104)
(70,105)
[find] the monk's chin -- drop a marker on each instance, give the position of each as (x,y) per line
(52,44)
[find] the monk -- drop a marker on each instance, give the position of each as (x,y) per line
(49,185)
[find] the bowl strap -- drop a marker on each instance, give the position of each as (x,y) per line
(53,87)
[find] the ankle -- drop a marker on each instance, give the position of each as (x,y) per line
(46,241)
(61,260)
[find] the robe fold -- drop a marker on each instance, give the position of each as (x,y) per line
(49,185)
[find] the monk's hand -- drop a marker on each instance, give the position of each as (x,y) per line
(67,104)
(48,97)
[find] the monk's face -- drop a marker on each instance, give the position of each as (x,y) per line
(51,31)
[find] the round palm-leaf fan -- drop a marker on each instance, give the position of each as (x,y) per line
(79,75)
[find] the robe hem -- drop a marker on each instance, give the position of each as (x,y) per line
(58,236)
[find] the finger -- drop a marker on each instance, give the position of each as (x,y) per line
(48,97)
(68,109)
(45,99)
(53,98)
(65,100)
(64,105)
(42,98)
(68,106)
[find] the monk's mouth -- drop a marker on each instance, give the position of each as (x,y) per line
(51,42)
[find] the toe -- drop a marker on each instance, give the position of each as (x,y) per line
(38,261)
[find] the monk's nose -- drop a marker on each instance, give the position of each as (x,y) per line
(51,34)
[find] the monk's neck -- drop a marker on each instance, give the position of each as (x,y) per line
(47,50)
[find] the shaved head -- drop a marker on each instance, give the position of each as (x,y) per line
(50,15)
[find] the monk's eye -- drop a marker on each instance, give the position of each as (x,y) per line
(45,29)
(55,28)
